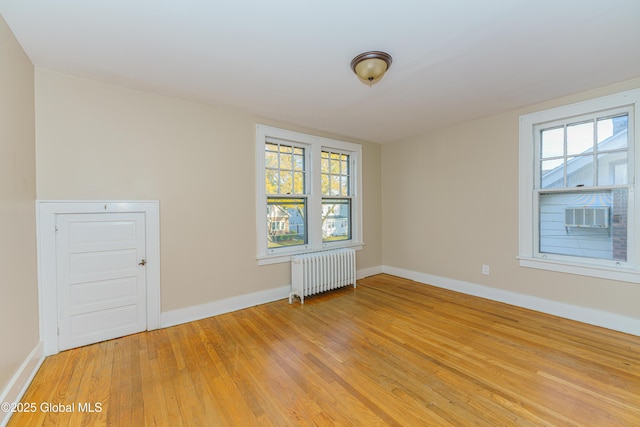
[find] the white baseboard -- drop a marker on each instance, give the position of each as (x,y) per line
(214,308)
(366,272)
(16,388)
(198,312)
(590,316)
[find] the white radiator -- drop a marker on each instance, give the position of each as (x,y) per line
(322,271)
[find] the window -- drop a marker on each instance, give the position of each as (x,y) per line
(308,194)
(285,174)
(583,166)
(336,196)
(577,205)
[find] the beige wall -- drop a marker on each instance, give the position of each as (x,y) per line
(18,286)
(450,204)
(100,141)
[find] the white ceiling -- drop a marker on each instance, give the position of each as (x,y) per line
(288,60)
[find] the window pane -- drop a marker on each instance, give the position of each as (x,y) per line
(286,222)
(612,133)
(324,162)
(335,164)
(298,183)
(605,129)
(286,161)
(271,181)
(578,168)
(324,165)
(591,224)
(612,168)
(271,147)
(335,185)
(335,170)
(284,169)
(580,171)
(326,188)
(336,219)
(344,167)
(271,159)
(552,173)
(579,138)
(552,141)
(286,182)
(344,186)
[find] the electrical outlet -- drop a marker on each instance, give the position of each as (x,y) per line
(485,269)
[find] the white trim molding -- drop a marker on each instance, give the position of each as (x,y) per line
(227,305)
(20,381)
(312,193)
(586,315)
(46,211)
(366,272)
(215,308)
(529,252)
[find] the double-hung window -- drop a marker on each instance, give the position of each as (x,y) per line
(308,194)
(285,186)
(577,188)
(336,196)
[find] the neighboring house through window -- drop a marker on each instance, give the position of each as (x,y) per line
(577,186)
(308,194)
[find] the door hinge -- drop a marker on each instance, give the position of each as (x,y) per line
(57,228)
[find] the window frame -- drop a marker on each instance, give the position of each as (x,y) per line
(292,195)
(529,190)
(314,145)
(341,197)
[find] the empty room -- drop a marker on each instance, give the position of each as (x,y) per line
(338,213)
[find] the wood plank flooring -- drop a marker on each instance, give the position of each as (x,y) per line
(391,352)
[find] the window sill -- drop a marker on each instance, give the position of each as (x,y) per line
(621,274)
(280,258)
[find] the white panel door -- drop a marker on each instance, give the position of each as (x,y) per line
(100,277)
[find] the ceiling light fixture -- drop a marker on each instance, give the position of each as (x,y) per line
(371,66)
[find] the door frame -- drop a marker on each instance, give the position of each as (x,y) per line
(46,212)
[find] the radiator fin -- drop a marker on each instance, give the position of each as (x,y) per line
(318,272)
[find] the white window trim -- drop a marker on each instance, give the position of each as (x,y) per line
(315,145)
(528,251)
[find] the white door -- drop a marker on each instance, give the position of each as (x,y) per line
(101,281)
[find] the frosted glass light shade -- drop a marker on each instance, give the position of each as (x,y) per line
(371,66)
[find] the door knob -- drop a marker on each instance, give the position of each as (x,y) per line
(143,262)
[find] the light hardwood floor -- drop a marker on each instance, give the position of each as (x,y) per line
(391,352)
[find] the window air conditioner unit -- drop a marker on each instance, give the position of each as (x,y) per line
(587,217)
